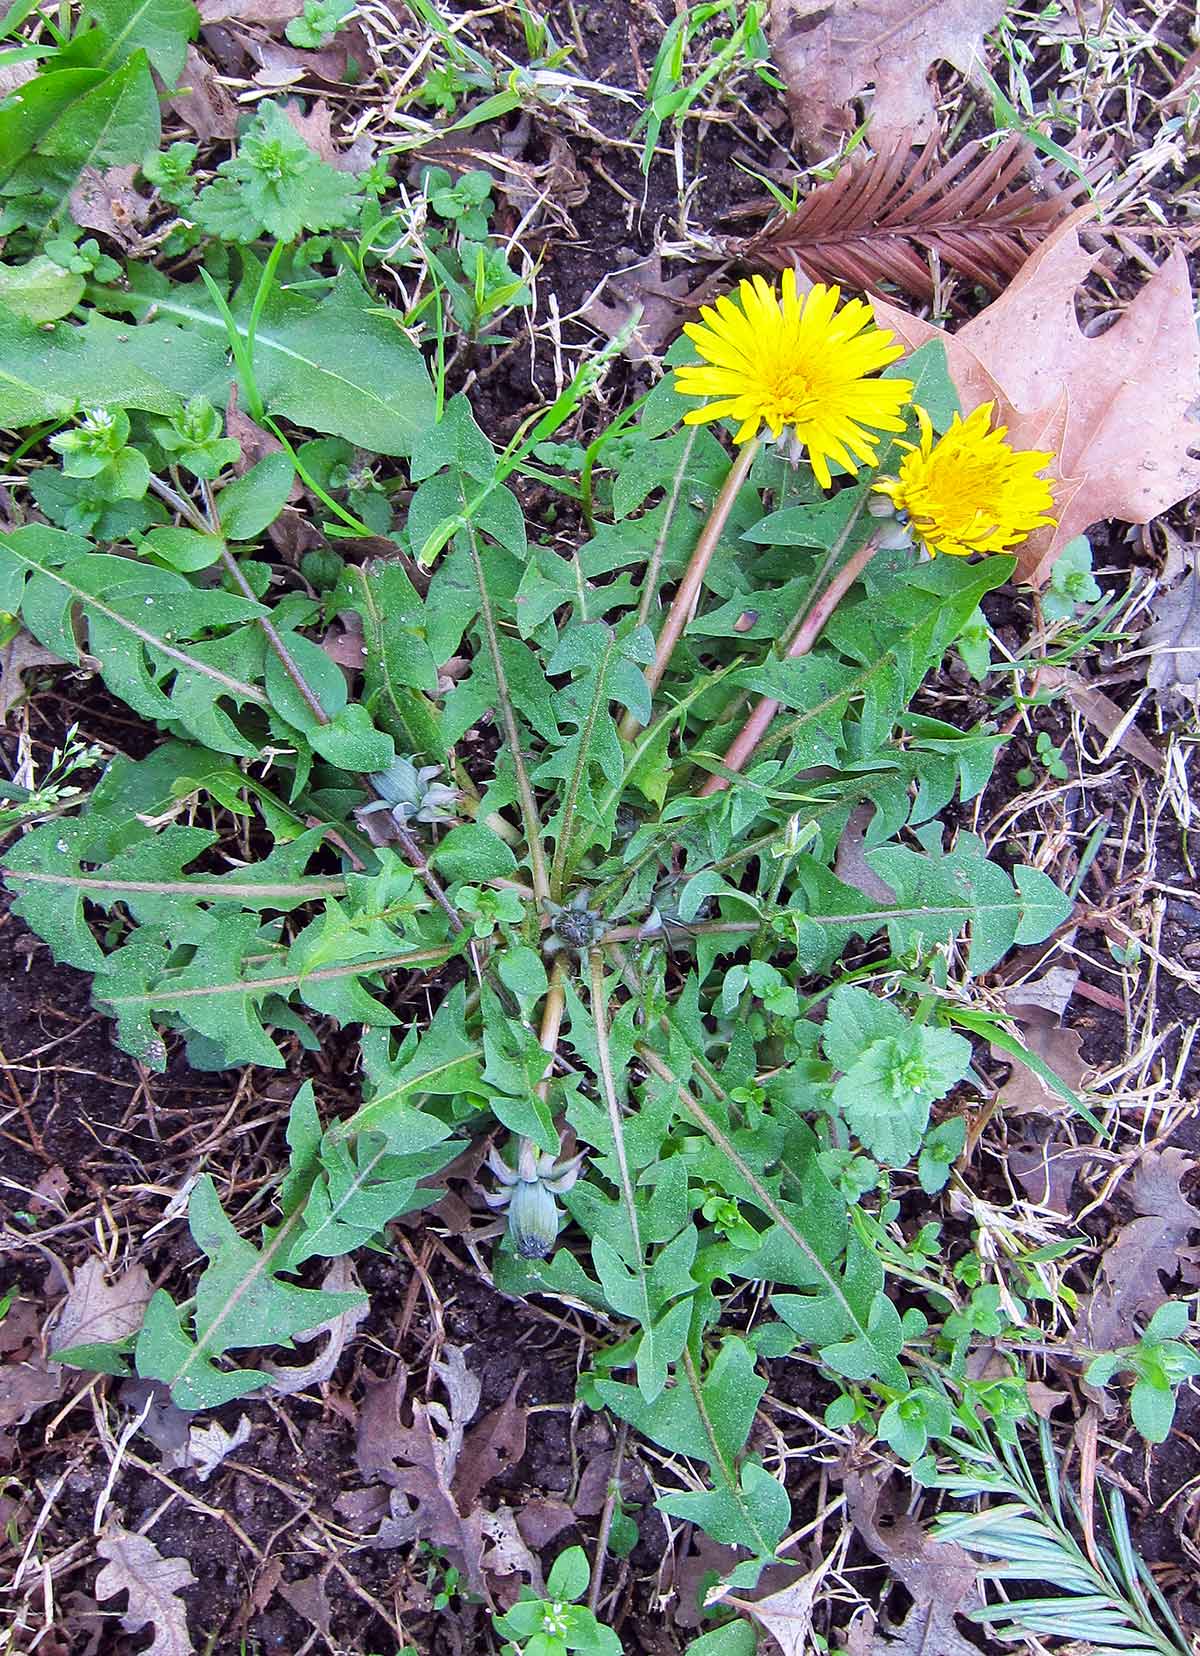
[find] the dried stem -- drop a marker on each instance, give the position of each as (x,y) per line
(739,752)
(611,1496)
(688,590)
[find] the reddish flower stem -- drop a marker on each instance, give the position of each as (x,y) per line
(741,749)
(688,590)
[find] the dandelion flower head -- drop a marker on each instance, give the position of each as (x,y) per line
(970,491)
(799,363)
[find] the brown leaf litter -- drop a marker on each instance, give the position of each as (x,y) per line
(436,1469)
(830,53)
(1129,1282)
(939,1575)
(135,1566)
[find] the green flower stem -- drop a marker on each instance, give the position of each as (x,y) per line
(740,751)
(688,590)
(609,1088)
(561,866)
(512,734)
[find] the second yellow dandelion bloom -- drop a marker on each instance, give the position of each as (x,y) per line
(799,364)
(970,491)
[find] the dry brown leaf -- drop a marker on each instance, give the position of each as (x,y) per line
(202,101)
(886,220)
(850,863)
(20,655)
(1173,638)
(1025,1093)
(787,1614)
(829,53)
(209,1445)
(1104,715)
(51,1191)
(1129,1288)
(939,1576)
(97,1311)
(1050,993)
(280,65)
(492,1447)
(25,1388)
(27,1382)
(1043,1399)
(135,1566)
(419,1462)
(268,12)
(1047,1172)
(308,1598)
(542,1519)
(107,202)
(316,128)
(1121,453)
(642,287)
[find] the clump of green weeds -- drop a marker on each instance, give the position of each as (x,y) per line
(636,950)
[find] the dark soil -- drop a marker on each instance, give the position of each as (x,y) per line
(93,1148)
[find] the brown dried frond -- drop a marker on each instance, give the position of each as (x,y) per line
(878,222)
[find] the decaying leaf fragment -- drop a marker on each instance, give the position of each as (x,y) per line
(1116,408)
(830,53)
(939,1575)
(1173,637)
(1129,1288)
(135,1566)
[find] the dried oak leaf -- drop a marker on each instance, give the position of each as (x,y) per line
(422,1463)
(939,1576)
(787,1613)
(107,201)
(1047,1172)
(643,288)
(135,1566)
(1129,1289)
(830,53)
(308,1598)
(20,655)
(209,1445)
(97,1311)
(1122,453)
(886,220)
(1025,1093)
(27,1382)
(1105,715)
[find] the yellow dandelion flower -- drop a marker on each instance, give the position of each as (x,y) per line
(970,491)
(799,363)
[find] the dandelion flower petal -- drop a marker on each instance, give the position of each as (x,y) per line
(773,356)
(969,491)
